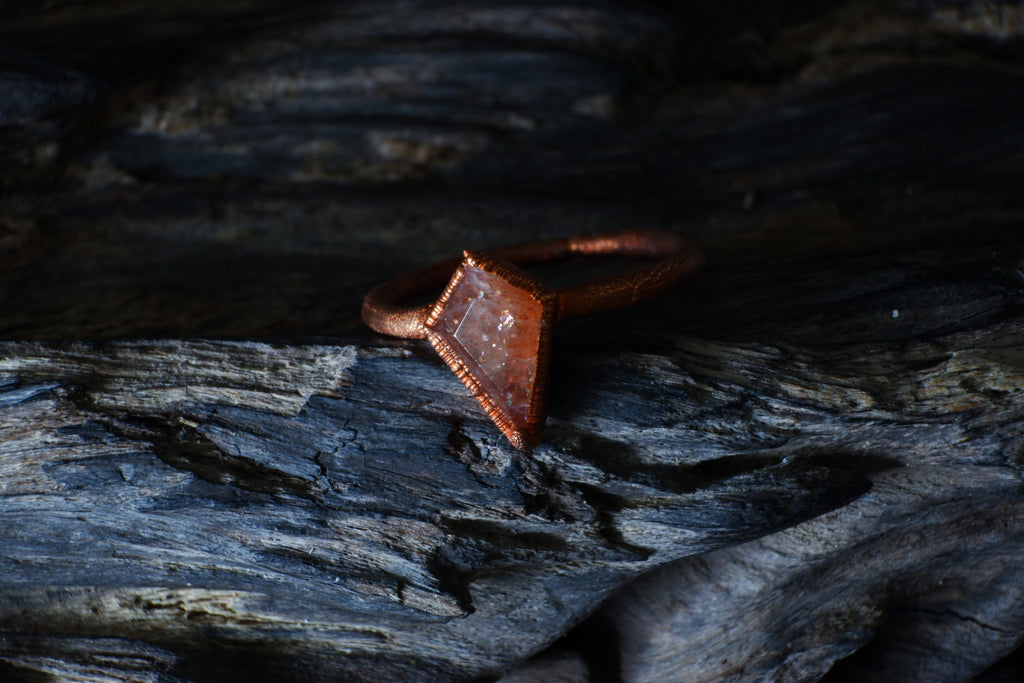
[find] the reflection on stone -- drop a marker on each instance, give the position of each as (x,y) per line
(494,328)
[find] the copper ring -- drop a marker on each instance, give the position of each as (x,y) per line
(492,324)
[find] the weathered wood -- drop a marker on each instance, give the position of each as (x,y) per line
(348,500)
(155,159)
(805,465)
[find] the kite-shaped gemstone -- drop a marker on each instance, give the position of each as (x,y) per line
(492,327)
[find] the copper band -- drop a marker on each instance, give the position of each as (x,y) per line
(680,258)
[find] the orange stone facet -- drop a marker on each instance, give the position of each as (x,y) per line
(490,328)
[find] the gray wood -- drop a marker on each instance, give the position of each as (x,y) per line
(348,500)
(803,466)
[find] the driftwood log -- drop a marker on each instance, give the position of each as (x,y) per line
(806,465)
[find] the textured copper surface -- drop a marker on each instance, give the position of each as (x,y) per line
(383,312)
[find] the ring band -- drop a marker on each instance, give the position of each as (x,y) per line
(492,324)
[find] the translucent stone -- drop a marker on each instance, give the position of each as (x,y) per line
(494,328)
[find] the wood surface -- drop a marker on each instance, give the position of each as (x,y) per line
(805,465)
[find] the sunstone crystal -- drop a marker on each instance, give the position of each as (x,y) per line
(494,327)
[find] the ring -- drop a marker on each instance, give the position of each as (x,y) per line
(493,322)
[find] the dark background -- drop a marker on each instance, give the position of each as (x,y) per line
(252,168)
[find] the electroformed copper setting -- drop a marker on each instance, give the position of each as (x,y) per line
(492,324)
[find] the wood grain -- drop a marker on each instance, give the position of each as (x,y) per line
(805,465)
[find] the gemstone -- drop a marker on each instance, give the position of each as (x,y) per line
(490,332)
